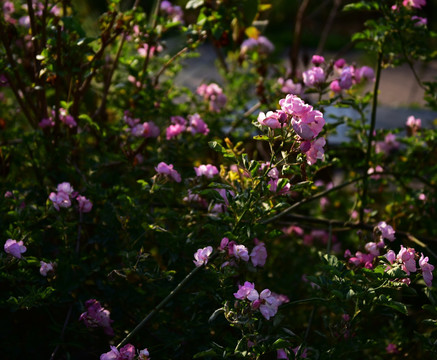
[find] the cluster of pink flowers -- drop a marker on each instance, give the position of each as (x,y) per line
(406,259)
(38,7)
(274,178)
(151,50)
(168,171)
(373,248)
(15,248)
(173,12)
(208,170)
(349,75)
(306,122)
(213,95)
(179,124)
(62,198)
(146,129)
(127,352)
(260,44)
(64,117)
(258,255)
(266,301)
(97,316)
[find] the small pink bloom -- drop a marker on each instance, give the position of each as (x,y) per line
(197,125)
(59,200)
(84,204)
(335,86)
(391,349)
(144,355)
(316,151)
(427,270)
(364,72)
(202,255)
(8,195)
(150,130)
(174,130)
(419,21)
(97,316)
(281,354)
(289,87)
(14,248)
(314,76)
(346,78)
(317,60)
(46,122)
(113,354)
(240,252)
(390,256)
(258,255)
(167,170)
(209,171)
(414,3)
(247,291)
(273,120)
(340,63)
(387,231)
(127,352)
(45,268)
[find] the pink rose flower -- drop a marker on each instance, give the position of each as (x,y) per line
(201,256)
(14,248)
(97,316)
(208,170)
(167,170)
(258,256)
(45,268)
(84,204)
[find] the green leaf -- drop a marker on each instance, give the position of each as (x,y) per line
(202,354)
(280,344)
(398,306)
(87,119)
(194,4)
(261,137)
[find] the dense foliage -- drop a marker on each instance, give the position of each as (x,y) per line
(142,218)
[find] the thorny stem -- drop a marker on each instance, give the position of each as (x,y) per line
(370,137)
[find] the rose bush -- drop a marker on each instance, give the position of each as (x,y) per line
(219,221)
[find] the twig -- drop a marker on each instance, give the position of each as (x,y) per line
(370,138)
(314,197)
(163,302)
(168,63)
(294,51)
(67,320)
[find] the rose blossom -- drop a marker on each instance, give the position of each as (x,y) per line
(14,248)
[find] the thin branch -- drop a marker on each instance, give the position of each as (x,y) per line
(294,51)
(370,137)
(168,63)
(314,197)
(163,302)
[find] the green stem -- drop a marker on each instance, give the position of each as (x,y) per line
(163,302)
(370,137)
